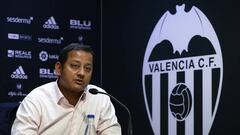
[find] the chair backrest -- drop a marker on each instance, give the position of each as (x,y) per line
(12,116)
(7,117)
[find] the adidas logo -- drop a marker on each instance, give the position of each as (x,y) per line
(19,74)
(50,24)
(51,21)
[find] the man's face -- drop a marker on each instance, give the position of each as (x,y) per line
(76,72)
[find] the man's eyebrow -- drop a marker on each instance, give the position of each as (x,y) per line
(75,61)
(79,62)
(88,64)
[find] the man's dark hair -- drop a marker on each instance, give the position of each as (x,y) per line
(72,47)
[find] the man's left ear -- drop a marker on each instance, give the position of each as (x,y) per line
(58,68)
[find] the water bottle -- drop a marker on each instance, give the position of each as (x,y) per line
(90,128)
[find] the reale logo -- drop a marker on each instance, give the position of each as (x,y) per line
(182,74)
(20,54)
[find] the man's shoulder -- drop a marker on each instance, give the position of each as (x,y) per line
(42,89)
(47,85)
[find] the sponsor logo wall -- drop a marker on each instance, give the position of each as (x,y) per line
(31,43)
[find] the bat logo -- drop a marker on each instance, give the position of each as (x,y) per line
(182,74)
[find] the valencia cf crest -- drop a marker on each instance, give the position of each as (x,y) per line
(182,74)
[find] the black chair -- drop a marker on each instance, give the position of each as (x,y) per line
(7,117)
(12,116)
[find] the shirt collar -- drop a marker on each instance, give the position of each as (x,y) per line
(59,97)
(58,94)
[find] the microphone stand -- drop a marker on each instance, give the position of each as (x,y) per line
(130,130)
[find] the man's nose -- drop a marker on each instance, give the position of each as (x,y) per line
(81,72)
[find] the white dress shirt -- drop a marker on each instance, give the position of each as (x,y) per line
(45,111)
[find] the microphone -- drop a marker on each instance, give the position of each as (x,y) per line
(95,92)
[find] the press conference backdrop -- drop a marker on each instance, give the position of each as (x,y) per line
(31,35)
(173,63)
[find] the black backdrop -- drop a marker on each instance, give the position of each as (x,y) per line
(125,27)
